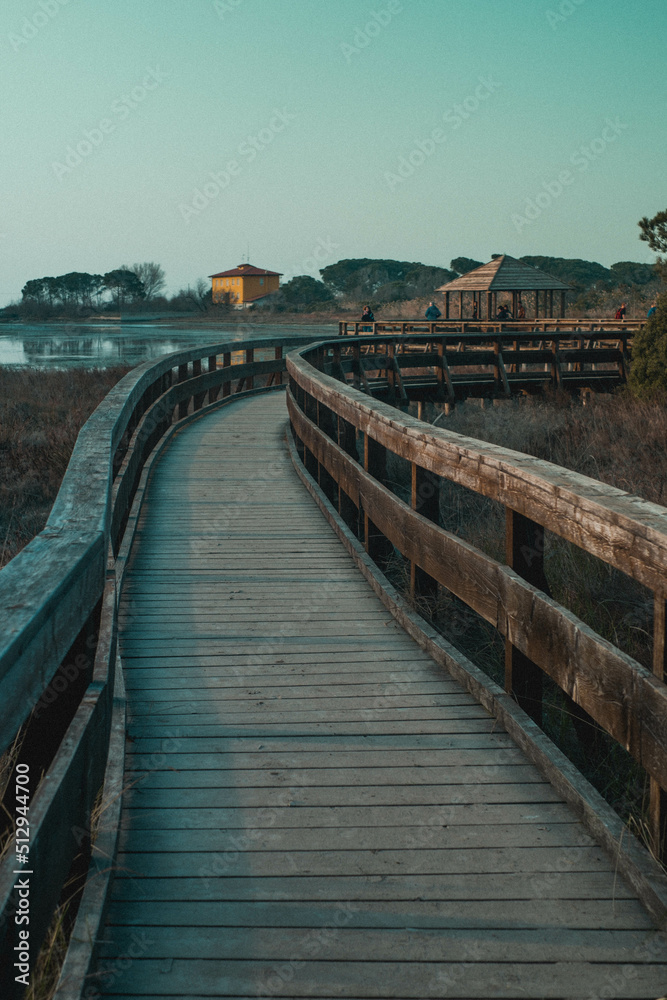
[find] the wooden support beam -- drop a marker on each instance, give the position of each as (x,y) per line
(214,391)
(226,362)
(184,403)
(399,381)
(347,440)
(199,397)
(377,545)
(499,373)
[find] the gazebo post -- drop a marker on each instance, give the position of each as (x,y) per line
(461,304)
(562,303)
(489,302)
(551,303)
(537,304)
(514,294)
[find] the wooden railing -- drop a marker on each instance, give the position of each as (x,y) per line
(467,326)
(58,654)
(450,366)
(329,419)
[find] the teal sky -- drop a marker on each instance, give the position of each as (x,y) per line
(307,131)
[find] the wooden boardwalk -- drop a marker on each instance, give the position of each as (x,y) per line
(312,808)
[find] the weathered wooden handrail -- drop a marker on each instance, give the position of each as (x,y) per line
(469,326)
(626,699)
(58,614)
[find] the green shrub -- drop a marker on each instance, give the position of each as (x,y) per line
(648,374)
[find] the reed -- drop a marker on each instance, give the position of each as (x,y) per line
(41,413)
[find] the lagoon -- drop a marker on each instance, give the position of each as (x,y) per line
(100,345)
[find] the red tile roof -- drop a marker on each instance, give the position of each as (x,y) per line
(243,270)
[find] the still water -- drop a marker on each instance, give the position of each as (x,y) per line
(65,345)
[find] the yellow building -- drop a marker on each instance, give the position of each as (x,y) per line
(244,284)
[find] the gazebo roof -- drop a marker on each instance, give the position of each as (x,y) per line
(504,274)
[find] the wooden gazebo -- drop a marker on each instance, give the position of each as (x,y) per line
(509,275)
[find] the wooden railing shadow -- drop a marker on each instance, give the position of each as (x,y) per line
(335,424)
(60,691)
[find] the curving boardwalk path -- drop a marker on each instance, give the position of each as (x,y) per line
(312,808)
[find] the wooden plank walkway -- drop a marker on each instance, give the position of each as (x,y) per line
(312,808)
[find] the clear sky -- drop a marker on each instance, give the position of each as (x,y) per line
(306,131)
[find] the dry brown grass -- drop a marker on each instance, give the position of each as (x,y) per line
(41,413)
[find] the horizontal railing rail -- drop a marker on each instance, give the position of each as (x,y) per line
(58,602)
(468,326)
(541,637)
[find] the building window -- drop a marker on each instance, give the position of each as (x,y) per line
(261,281)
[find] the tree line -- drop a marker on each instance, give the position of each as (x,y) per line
(79,289)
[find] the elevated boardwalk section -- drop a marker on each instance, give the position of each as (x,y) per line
(312,806)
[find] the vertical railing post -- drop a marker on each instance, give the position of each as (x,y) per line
(226,363)
(199,397)
(524,553)
(183,405)
(425,499)
(249,358)
(214,391)
(278,380)
(658,795)
(375,464)
(347,440)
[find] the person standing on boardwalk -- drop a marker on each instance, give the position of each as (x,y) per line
(368,317)
(432,313)
(620,312)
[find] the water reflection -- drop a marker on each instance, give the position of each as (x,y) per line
(101,346)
